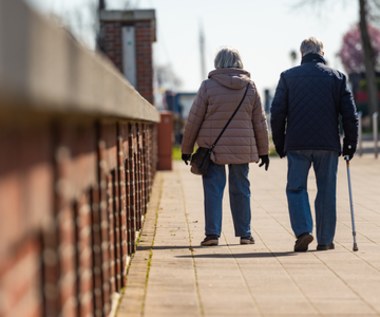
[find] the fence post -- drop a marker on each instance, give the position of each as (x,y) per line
(360,134)
(375,133)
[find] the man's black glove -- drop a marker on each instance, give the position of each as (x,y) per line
(264,161)
(349,150)
(280,151)
(186,158)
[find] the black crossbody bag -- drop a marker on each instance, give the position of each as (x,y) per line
(201,159)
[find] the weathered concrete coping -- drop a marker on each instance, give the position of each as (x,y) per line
(127,16)
(42,68)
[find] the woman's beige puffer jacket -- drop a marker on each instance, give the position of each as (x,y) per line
(246,137)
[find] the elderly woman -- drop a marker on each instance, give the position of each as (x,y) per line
(245,140)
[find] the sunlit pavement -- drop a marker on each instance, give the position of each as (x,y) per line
(171,275)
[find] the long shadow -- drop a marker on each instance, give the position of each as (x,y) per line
(168,247)
(239,255)
(252,254)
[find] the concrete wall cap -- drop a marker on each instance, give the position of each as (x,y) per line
(127,15)
(44,68)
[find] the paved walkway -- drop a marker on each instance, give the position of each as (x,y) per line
(171,275)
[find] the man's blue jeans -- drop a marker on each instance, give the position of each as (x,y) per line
(325,164)
(239,190)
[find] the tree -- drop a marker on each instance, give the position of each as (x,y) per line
(351,52)
(102,5)
(368,10)
(99,32)
(369,57)
(293,56)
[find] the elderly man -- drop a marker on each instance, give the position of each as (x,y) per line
(309,102)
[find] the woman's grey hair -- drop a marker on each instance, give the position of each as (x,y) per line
(228,58)
(311,45)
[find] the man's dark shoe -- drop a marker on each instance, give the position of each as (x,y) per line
(303,242)
(210,241)
(247,240)
(325,247)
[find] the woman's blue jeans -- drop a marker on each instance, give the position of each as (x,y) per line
(214,183)
(325,164)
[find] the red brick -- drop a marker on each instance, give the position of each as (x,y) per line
(20,279)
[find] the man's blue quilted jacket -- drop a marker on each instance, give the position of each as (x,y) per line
(309,102)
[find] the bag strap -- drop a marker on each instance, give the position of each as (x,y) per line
(230,119)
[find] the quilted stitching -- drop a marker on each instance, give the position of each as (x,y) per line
(310,98)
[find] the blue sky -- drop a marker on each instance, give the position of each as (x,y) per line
(264,31)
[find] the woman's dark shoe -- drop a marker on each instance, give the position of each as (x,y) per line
(303,242)
(247,240)
(210,241)
(325,247)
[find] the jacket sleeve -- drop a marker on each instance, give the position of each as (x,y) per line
(260,127)
(278,111)
(349,115)
(194,120)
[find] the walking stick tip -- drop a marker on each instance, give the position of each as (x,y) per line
(355,247)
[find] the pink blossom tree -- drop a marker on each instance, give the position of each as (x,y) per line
(351,52)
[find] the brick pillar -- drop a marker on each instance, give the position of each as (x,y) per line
(126,38)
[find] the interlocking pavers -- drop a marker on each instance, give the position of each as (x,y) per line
(171,275)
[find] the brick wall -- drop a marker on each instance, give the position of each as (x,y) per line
(25,199)
(144,59)
(77,160)
(111,42)
(72,195)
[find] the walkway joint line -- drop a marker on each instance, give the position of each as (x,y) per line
(200,303)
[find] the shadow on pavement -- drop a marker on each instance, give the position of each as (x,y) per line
(167,247)
(217,255)
(239,255)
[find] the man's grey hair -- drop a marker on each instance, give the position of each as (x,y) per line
(311,45)
(228,58)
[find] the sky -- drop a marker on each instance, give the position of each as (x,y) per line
(263,31)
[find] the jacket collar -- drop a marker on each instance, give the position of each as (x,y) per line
(233,78)
(228,71)
(313,58)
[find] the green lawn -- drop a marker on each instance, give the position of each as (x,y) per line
(176,152)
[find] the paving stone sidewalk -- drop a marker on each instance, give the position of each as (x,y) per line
(171,275)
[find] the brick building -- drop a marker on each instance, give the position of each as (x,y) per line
(126,37)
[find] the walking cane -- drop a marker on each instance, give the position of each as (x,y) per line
(355,246)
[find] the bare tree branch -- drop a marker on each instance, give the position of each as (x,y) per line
(368,11)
